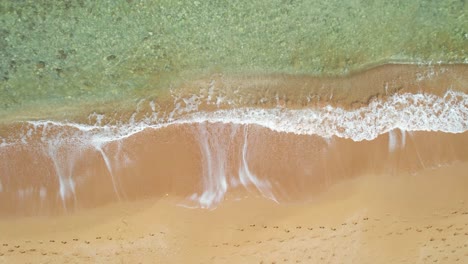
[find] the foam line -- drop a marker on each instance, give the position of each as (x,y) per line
(408,112)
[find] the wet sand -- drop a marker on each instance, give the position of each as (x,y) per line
(204,162)
(406,218)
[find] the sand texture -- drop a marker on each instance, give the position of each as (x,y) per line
(419,218)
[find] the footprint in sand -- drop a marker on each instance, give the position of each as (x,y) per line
(75,239)
(5,245)
(63,242)
(100,237)
(52,241)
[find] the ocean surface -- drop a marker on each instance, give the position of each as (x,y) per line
(121,100)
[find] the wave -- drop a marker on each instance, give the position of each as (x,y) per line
(408,112)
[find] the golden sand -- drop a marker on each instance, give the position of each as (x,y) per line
(404,218)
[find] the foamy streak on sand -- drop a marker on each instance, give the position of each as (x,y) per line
(407,112)
(214,149)
(216,181)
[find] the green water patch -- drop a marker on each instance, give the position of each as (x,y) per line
(73,51)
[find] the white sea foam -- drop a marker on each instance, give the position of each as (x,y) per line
(42,192)
(247,178)
(408,112)
(401,112)
(396,142)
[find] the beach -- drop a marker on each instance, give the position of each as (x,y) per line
(268,131)
(246,169)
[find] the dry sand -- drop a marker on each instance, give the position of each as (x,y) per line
(408,218)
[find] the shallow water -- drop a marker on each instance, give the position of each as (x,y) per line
(86,51)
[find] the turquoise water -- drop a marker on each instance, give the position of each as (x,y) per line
(55,53)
